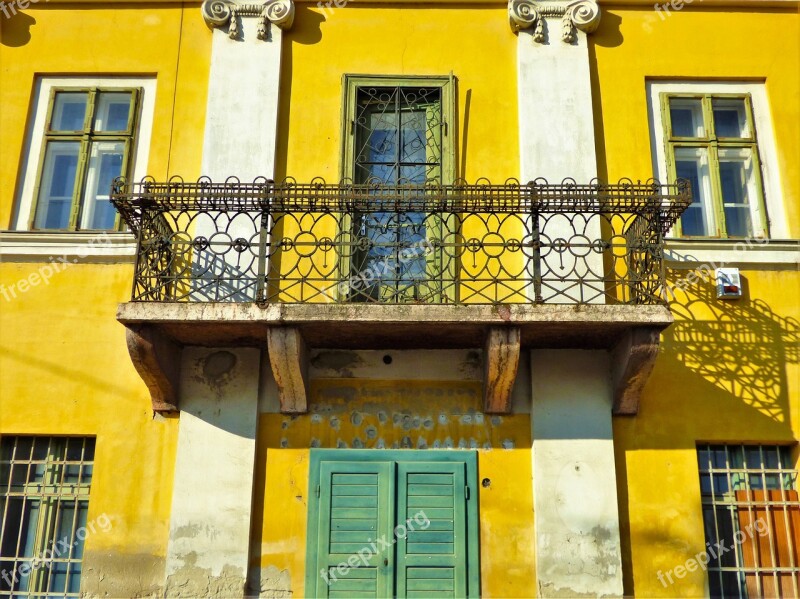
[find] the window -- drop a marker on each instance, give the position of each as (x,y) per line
(84,132)
(397,135)
(719,135)
(711,142)
(87,144)
(44,499)
(751,514)
(392,524)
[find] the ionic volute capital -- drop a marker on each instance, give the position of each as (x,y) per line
(226,13)
(578,14)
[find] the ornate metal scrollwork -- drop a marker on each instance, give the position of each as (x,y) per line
(581,14)
(219,13)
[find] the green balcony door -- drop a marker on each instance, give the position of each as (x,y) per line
(398,141)
(392,524)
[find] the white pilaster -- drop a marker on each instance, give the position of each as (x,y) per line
(574,486)
(209,538)
(242,109)
(556,132)
(240,132)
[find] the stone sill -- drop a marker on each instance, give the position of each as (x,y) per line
(690,253)
(375,326)
(78,247)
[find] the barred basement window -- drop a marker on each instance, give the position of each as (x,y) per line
(751,514)
(44,500)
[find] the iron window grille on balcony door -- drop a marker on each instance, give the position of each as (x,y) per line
(398,138)
(751,510)
(711,142)
(44,502)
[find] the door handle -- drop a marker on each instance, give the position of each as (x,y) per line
(385,561)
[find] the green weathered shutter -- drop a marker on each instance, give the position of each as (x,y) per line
(356,508)
(431,530)
(407,521)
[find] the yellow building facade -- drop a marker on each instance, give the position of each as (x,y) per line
(214,387)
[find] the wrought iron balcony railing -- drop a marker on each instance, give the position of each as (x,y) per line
(477,243)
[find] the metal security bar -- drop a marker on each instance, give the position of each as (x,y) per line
(477,243)
(751,514)
(44,498)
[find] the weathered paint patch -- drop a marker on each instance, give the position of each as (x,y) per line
(113,573)
(362,414)
(191,580)
(271,582)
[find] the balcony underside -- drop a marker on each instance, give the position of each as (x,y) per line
(158,331)
(380,326)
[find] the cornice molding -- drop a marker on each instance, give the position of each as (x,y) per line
(222,13)
(579,14)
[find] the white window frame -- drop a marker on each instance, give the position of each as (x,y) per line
(21,241)
(770,173)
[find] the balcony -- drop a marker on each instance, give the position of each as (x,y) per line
(405,266)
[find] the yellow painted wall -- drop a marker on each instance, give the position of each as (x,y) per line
(64,364)
(64,367)
(473,42)
(170,42)
(397,414)
(65,370)
(727,371)
(632,46)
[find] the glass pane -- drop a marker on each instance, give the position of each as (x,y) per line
(686,115)
(113,110)
(720,484)
(74,448)
(703,457)
(753,457)
(88,449)
(57,185)
(736,453)
(6,448)
(57,447)
(40,448)
(72,473)
(58,577)
(771,457)
(730,118)
(11,527)
(692,164)
(66,516)
(719,456)
(105,164)
(78,544)
(737,182)
(69,111)
(74,578)
(86,474)
(24,445)
(30,519)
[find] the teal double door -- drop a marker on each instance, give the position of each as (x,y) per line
(392,524)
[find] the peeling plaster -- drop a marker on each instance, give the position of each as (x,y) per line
(273,583)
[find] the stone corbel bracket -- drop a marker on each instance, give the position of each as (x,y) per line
(157,359)
(501,361)
(222,13)
(633,360)
(581,14)
(288,357)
